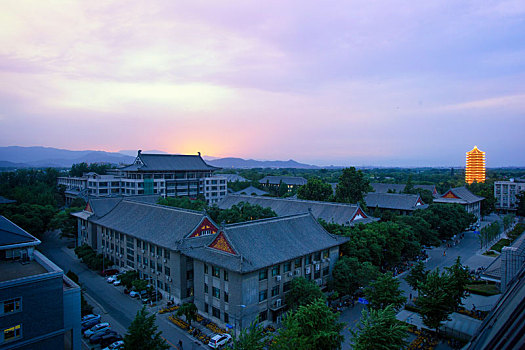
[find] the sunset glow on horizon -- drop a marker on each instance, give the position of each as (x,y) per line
(343,83)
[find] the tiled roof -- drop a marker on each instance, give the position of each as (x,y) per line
(168,162)
(263,243)
(399,188)
(11,234)
(399,201)
(233,177)
(251,191)
(493,271)
(161,225)
(339,213)
(289,180)
(464,196)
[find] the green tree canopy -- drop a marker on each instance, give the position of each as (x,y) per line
(315,190)
(379,329)
(311,327)
(240,212)
(458,278)
(384,291)
(189,310)
(128,277)
(142,333)
(251,338)
(349,274)
(302,292)
(417,275)
(434,301)
(352,186)
(183,202)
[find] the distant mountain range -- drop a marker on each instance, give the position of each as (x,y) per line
(38,157)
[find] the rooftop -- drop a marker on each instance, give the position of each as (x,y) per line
(397,201)
(168,162)
(15,269)
(12,234)
(460,195)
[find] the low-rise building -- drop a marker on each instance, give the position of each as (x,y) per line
(251,191)
(337,213)
(462,196)
(40,306)
(505,193)
(400,188)
(399,203)
(274,182)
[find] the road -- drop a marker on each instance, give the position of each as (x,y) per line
(116,307)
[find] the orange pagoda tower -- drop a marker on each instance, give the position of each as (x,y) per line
(475,170)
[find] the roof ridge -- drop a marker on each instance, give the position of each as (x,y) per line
(190,211)
(17,233)
(260,221)
(295,200)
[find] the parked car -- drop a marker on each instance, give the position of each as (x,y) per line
(134,294)
(88,324)
(118,345)
(109,272)
(90,317)
(117,282)
(96,338)
(126,291)
(219,340)
(110,339)
(101,327)
(111,279)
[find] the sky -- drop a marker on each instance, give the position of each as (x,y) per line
(387,83)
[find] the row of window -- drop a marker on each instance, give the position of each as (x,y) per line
(287,266)
(216,313)
(10,306)
(11,333)
(216,272)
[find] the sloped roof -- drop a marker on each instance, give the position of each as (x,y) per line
(463,194)
(399,201)
(289,180)
(251,191)
(263,243)
(234,177)
(399,188)
(339,213)
(11,234)
(158,224)
(100,206)
(168,162)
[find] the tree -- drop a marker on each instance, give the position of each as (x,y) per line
(434,301)
(282,189)
(183,202)
(140,285)
(240,212)
(508,220)
(458,278)
(311,327)
(384,291)
(417,275)
(379,329)
(315,190)
(349,274)
(352,186)
(142,333)
(128,277)
(421,229)
(302,292)
(189,310)
(251,338)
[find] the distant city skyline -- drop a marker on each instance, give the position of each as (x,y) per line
(339,83)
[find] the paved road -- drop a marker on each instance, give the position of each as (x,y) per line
(469,251)
(117,308)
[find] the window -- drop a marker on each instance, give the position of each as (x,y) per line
(225,275)
(189,292)
(152,248)
(275,291)
(167,271)
(307,259)
(206,308)
(159,267)
(12,305)
(317,256)
(216,292)
(317,274)
(298,262)
(189,275)
(12,333)
(167,254)
(263,295)
(226,317)
(263,316)
(139,259)
(226,297)
(325,271)
(287,266)
(205,288)
(325,254)
(263,274)
(216,272)
(215,312)
(287,286)
(275,271)
(145,261)
(205,269)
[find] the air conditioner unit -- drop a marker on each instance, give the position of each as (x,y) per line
(278,278)
(297,272)
(142,251)
(167,277)
(158,272)
(307,270)
(170,279)
(83,227)
(278,303)
(290,274)
(152,270)
(165,260)
(317,267)
(152,254)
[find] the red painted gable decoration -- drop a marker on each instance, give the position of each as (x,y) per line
(449,194)
(359,212)
(419,201)
(205,228)
(221,243)
(88,208)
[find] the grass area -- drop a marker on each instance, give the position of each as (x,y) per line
(483,289)
(491,254)
(501,243)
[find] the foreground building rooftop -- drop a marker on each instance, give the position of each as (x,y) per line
(394,201)
(168,162)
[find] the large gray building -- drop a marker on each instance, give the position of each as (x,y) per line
(40,306)
(505,193)
(463,197)
(232,273)
(399,203)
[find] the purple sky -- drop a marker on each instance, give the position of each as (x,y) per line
(336,82)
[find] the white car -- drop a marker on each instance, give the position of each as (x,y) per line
(134,294)
(111,279)
(101,327)
(219,340)
(115,346)
(116,283)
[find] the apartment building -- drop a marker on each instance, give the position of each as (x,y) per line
(505,193)
(39,305)
(188,257)
(167,175)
